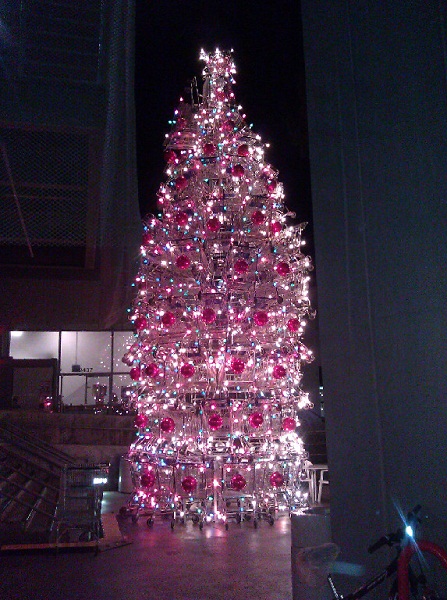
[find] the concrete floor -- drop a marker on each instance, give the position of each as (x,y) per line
(242,563)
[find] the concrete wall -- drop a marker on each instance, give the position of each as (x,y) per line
(376,90)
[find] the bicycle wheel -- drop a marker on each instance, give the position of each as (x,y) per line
(428,578)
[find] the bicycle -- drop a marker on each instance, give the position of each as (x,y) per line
(410,583)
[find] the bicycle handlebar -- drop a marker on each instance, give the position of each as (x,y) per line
(395,538)
(381,542)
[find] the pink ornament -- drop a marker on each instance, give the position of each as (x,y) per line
(167,425)
(260,318)
(170,156)
(258,217)
(181,218)
(275,227)
(237,365)
(135,373)
(220,95)
(215,421)
(241,266)
(238,482)
(187,370)
(213,224)
(256,419)
(237,171)
(128,359)
(140,323)
(209,149)
(283,269)
(278,371)
(276,479)
(140,420)
(271,187)
(181,183)
(168,319)
(189,484)
(293,325)
(229,126)
(288,424)
(148,479)
(243,150)
(152,370)
(147,238)
(208,316)
(183,262)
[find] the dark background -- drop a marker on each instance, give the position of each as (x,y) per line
(267,42)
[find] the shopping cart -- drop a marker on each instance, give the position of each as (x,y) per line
(79,509)
(193,493)
(155,493)
(236,501)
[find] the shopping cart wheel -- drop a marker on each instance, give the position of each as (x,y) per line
(226,526)
(238,518)
(172,524)
(255,523)
(195,519)
(201,525)
(150,522)
(271,520)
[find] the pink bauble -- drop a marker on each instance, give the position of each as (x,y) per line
(183,262)
(181,218)
(189,484)
(128,359)
(140,323)
(237,171)
(238,482)
(241,266)
(152,370)
(288,424)
(181,183)
(258,217)
(261,318)
(275,227)
(209,149)
(213,224)
(187,370)
(135,373)
(168,319)
(208,316)
(229,125)
(148,479)
(167,425)
(220,95)
(243,150)
(276,479)
(256,419)
(283,269)
(293,325)
(140,420)
(170,156)
(147,238)
(271,187)
(237,365)
(215,421)
(278,371)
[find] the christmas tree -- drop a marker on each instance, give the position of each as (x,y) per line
(219,313)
